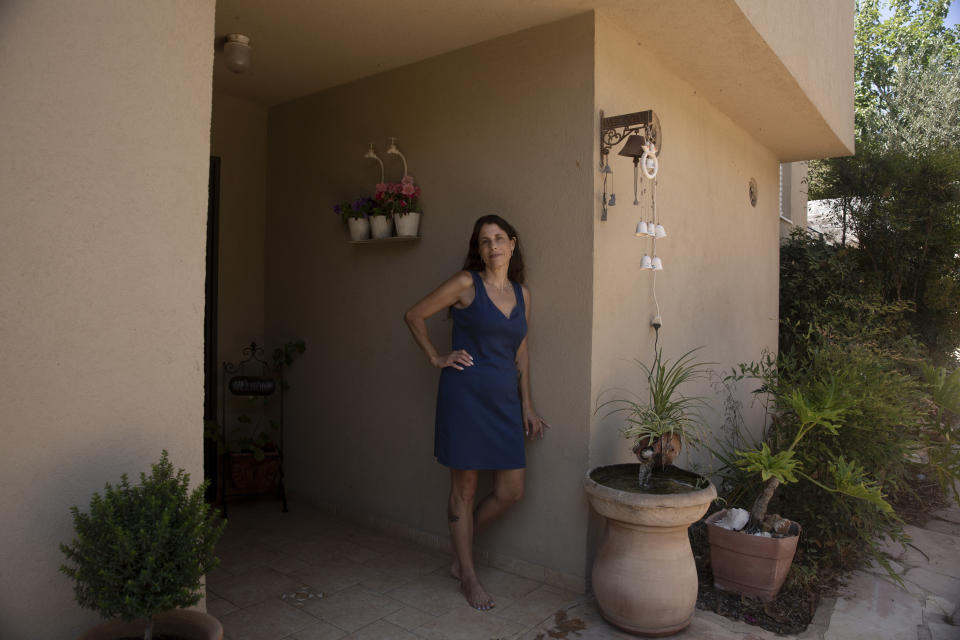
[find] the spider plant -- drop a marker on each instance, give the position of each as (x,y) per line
(660,424)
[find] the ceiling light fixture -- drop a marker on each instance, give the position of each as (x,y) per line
(237,52)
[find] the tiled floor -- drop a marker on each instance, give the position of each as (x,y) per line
(304,575)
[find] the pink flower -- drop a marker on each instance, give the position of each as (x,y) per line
(408,189)
(416,192)
(381,187)
(407,180)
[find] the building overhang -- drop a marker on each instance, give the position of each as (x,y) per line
(781,70)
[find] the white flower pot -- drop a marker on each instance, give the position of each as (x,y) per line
(381,226)
(408,224)
(359,228)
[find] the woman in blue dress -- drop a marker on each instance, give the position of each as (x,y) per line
(484,407)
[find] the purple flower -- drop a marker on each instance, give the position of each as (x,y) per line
(336,209)
(357,204)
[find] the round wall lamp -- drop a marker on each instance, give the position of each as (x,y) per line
(237,52)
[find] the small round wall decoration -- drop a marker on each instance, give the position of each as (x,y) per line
(753,192)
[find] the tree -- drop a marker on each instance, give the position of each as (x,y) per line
(900,194)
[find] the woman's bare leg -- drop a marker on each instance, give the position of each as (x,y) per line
(463,488)
(507,491)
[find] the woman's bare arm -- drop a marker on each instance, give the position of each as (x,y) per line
(447,294)
(532,423)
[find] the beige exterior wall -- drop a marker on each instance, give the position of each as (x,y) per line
(239,137)
(505,126)
(793,197)
(101,270)
(719,285)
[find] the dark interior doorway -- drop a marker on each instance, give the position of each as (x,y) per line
(210,369)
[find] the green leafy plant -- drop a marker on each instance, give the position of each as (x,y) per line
(820,406)
(941,443)
(143,549)
(667,416)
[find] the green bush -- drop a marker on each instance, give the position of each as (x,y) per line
(142,550)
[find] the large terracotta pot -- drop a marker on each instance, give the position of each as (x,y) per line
(644,575)
(752,565)
(189,624)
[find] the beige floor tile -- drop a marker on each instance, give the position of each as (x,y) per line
(319,631)
(269,620)
(378,542)
(313,550)
(253,586)
(409,618)
(334,574)
(409,563)
(465,623)
(502,585)
(382,582)
(218,607)
(352,608)
(381,630)
(538,606)
(434,594)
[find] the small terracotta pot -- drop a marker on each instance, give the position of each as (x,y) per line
(187,623)
(665,450)
(748,564)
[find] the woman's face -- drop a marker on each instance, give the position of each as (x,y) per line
(495,246)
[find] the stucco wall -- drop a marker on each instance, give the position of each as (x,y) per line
(239,137)
(505,126)
(814,40)
(104,187)
(719,285)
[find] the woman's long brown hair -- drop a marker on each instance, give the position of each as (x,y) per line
(473,261)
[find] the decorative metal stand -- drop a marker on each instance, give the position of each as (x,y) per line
(252,377)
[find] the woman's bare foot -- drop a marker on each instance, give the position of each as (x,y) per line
(476,596)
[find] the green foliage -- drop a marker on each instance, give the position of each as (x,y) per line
(142,549)
(912,40)
(667,411)
(941,440)
(779,465)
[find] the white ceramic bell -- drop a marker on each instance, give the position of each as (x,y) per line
(641,229)
(645,263)
(656,265)
(660,232)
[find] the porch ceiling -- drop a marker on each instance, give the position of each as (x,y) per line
(301,47)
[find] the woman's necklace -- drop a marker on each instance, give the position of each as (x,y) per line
(500,288)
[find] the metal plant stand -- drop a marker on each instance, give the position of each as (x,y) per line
(251,377)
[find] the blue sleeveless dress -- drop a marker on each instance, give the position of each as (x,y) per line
(479,416)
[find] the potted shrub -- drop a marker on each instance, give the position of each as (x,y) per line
(139,554)
(399,200)
(754,555)
(644,576)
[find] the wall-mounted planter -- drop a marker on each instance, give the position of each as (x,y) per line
(381,227)
(408,224)
(359,228)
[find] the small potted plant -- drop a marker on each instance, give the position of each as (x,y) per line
(356,214)
(644,575)
(139,554)
(399,200)
(752,554)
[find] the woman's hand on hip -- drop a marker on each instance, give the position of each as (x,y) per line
(533,425)
(458,359)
